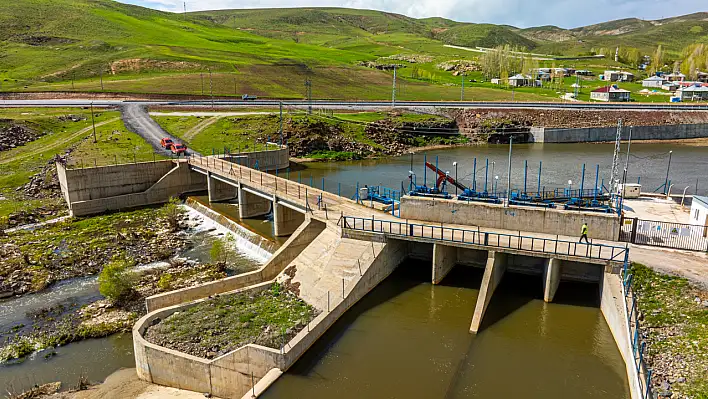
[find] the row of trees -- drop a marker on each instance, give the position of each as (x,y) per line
(506,60)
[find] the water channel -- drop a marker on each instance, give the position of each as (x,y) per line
(409,338)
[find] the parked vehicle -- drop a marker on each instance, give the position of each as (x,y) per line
(178,149)
(248,97)
(166,143)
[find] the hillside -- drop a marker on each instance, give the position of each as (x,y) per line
(103,45)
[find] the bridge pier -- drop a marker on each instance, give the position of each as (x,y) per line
(444,258)
(251,205)
(220,191)
(285,220)
(551,278)
(493,273)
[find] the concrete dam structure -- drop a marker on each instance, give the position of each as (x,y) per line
(338,250)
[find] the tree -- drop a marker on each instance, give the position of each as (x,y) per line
(220,252)
(116,280)
(657,60)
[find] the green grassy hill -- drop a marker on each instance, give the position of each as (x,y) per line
(102,45)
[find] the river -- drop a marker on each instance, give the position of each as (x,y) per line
(409,339)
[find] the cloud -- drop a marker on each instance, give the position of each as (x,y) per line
(521,13)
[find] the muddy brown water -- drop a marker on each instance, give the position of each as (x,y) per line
(409,339)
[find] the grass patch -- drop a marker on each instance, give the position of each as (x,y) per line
(334,155)
(674,315)
(220,325)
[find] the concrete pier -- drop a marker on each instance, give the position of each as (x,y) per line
(444,258)
(285,220)
(551,278)
(493,273)
(251,205)
(220,191)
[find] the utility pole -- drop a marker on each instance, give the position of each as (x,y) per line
(308,88)
(462,92)
(577,85)
(281,123)
(93,122)
(666,181)
(508,181)
(100,71)
(393,94)
(185,10)
(201,76)
(211,89)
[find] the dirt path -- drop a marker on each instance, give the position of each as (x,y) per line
(199,127)
(55,144)
(124,384)
(688,264)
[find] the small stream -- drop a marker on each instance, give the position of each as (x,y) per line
(96,359)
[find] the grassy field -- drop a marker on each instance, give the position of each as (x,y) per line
(102,45)
(19,164)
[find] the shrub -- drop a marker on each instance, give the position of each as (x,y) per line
(220,251)
(116,280)
(165,282)
(171,212)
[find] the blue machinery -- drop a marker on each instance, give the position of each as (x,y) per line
(594,199)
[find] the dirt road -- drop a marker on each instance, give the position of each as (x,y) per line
(137,119)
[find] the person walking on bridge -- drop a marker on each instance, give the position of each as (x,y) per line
(584,233)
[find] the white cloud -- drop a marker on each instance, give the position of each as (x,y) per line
(521,13)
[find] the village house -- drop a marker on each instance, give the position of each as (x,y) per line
(702,77)
(610,93)
(520,80)
(618,76)
(653,81)
(675,77)
(692,93)
(670,86)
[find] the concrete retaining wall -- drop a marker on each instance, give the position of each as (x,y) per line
(615,313)
(95,184)
(267,160)
(228,376)
(539,220)
(602,134)
(300,239)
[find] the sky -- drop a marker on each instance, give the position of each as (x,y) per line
(520,13)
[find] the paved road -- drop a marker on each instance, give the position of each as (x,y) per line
(359,105)
(137,120)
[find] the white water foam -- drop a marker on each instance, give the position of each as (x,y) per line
(242,244)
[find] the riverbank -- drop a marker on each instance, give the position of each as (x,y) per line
(674,316)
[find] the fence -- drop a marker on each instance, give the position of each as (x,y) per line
(635,335)
(491,239)
(664,234)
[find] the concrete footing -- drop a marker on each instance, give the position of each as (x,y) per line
(444,258)
(251,205)
(285,220)
(493,273)
(220,191)
(551,278)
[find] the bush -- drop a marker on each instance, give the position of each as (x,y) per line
(116,280)
(219,251)
(171,212)
(165,282)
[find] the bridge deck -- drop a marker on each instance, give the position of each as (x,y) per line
(357,216)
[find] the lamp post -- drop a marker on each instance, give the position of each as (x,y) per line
(666,181)
(455,165)
(570,188)
(413,185)
(496,181)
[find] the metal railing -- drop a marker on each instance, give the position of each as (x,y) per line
(543,245)
(636,337)
(664,234)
